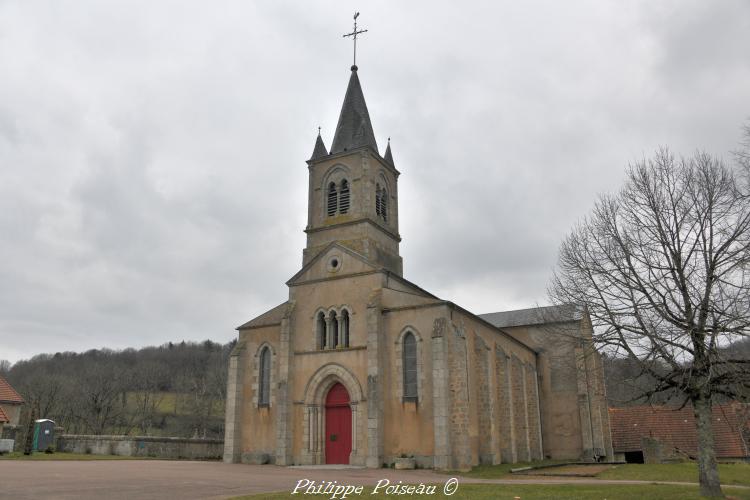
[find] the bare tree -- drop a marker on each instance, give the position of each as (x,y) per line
(664,269)
(97,403)
(4,366)
(146,397)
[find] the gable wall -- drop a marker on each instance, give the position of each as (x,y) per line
(354,292)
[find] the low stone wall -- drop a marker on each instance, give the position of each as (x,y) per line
(6,445)
(142,446)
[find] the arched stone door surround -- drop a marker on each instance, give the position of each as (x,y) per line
(313,433)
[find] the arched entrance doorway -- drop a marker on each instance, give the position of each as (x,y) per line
(338,434)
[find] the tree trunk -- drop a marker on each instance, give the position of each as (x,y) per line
(708,471)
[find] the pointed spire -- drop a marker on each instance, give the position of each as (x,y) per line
(320,149)
(388,156)
(354,128)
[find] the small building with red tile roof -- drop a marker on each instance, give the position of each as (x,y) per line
(674,428)
(10,404)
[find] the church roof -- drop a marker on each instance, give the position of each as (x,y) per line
(268,318)
(534,316)
(354,128)
(320,149)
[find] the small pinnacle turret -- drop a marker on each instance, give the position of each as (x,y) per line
(320,148)
(388,156)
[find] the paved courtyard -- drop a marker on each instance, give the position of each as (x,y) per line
(162,479)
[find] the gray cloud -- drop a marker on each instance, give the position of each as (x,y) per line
(152,175)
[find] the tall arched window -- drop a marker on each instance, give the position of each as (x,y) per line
(345,328)
(334,330)
(410,367)
(344,197)
(332,199)
(321,330)
(264,378)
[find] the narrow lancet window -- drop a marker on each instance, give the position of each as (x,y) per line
(321,330)
(344,197)
(334,331)
(332,199)
(410,367)
(264,378)
(345,328)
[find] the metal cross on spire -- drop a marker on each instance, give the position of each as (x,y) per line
(354,34)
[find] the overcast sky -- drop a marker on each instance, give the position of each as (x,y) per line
(152,154)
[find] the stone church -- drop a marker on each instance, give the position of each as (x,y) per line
(361,366)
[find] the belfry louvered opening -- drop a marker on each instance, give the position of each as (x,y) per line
(332,199)
(381,202)
(338,198)
(344,197)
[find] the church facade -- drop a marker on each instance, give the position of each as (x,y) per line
(360,366)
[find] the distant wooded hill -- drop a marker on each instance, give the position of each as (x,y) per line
(626,381)
(170,390)
(179,389)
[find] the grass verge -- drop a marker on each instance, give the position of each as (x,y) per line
(539,492)
(687,472)
(501,471)
(17,455)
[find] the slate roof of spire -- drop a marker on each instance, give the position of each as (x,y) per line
(388,156)
(354,128)
(320,149)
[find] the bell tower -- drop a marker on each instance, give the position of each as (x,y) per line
(353,191)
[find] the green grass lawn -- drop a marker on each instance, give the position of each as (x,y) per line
(538,492)
(685,472)
(502,470)
(17,455)
(738,473)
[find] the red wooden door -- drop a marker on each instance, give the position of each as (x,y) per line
(338,425)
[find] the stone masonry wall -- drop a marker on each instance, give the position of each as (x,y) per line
(440,394)
(535,429)
(141,446)
(520,410)
(484,402)
(505,412)
(233,412)
(458,389)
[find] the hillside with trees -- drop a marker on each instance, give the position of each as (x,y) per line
(170,390)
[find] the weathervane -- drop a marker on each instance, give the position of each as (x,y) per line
(354,34)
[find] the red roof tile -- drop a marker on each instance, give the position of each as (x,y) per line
(8,394)
(3,417)
(676,428)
